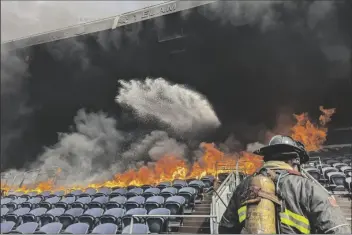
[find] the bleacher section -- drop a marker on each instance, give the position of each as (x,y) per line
(146,209)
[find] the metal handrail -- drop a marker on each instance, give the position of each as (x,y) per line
(170,216)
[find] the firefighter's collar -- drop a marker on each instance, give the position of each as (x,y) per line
(277,165)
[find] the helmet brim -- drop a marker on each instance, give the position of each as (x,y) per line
(271,150)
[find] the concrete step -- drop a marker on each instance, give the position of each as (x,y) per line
(191,229)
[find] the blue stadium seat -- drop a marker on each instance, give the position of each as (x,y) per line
(27,228)
(16,216)
(81,202)
(146,186)
(189,194)
(337,181)
(118,192)
(89,192)
(339,165)
(151,192)
(168,192)
(126,219)
(65,202)
(14,195)
(50,202)
(34,215)
(6,227)
(158,224)
(163,185)
(32,203)
(75,193)
(179,184)
(134,202)
(51,216)
(136,229)
(5,201)
(59,193)
(78,228)
(154,202)
(199,186)
(44,195)
(347,161)
(208,181)
(104,191)
(29,195)
(70,216)
(331,161)
(98,202)
(134,192)
(91,216)
(105,229)
(15,204)
(116,202)
(51,228)
(176,206)
(314,172)
(113,216)
(4,211)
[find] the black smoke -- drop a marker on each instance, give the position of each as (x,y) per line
(295,58)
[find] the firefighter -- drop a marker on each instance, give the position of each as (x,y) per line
(279,199)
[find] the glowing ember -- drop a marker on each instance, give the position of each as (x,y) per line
(311,135)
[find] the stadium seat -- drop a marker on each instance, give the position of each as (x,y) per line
(52,228)
(129,187)
(327,170)
(136,229)
(6,227)
(151,192)
(70,216)
(16,216)
(15,204)
(208,181)
(314,172)
(179,184)
(34,215)
(91,217)
(189,180)
(78,228)
(32,203)
(158,224)
(103,192)
(134,192)
(118,192)
(89,192)
(4,211)
(44,195)
(14,195)
(346,169)
(347,161)
(50,202)
(51,216)
(98,202)
(190,195)
(320,167)
(105,229)
(168,192)
(199,186)
(27,228)
(163,185)
(81,202)
(116,202)
(336,180)
(65,202)
(339,165)
(331,161)
(113,216)
(176,206)
(74,193)
(59,193)
(5,201)
(146,186)
(126,219)
(348,184)
(134,202)
(154,202)
(29,195)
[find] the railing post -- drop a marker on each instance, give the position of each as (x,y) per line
(131,225)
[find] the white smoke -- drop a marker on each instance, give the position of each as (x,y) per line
(184,110)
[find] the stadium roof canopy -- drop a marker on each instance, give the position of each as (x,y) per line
(165,8)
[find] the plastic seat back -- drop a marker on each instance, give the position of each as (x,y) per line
(105,229)
(51,228)
(78,228)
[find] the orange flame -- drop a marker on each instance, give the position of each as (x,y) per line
(311,135)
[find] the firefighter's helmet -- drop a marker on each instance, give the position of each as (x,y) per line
(281,146)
